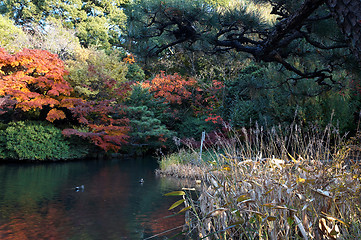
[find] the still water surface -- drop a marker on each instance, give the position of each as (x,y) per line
(38,201)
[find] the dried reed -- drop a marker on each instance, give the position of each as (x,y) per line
(283,183)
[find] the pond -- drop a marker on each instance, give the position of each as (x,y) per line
(38,201)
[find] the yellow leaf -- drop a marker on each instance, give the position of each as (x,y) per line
(185,209)
(175,193)
(329,217)
(243,197)
(176,204)
(226,168)
(310,180)
(300,180)
(293,159)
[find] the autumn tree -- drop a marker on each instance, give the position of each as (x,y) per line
(186,92)
(32,83)
(34,79)
(94,74)
(193,106)
(174,89)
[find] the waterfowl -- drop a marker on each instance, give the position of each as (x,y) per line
(80,188)
(141,180)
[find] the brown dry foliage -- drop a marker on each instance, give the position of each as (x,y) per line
(250,195)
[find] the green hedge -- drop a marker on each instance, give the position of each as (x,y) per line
(38,141)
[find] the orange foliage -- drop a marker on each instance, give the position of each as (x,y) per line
(33,80)
(55,114)
(203,99)
(129,59)
(173,88)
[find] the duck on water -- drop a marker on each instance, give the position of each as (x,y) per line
(79,188)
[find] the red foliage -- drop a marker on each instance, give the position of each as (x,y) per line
(214,119)
(33,79)
(106,132)
(207,100)
(202,99)
(173,88)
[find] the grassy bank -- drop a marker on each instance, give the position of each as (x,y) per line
(284,183)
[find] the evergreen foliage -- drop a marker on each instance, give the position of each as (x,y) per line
(255,97)
(148,119)
(293,40)
(141,97)
(97,23)
(146,128)
(192,127)
(135,73)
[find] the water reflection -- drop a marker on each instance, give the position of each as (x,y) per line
(38,201)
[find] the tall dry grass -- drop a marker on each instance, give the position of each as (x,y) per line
(283,183)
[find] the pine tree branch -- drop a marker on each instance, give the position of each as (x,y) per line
(320,45)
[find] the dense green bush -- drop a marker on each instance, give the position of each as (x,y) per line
(135,73)
(38,141)
(140,97)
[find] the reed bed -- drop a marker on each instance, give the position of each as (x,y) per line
(283,183)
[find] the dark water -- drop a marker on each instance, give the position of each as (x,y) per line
(37,201)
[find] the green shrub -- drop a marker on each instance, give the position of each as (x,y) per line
(38,141)
(140,97)
(148,117)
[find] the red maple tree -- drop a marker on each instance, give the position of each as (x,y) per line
(32,81)
(202,98)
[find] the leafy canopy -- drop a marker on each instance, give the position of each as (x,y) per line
(33,82)
(97,23)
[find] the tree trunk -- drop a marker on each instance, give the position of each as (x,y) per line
(348,16)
